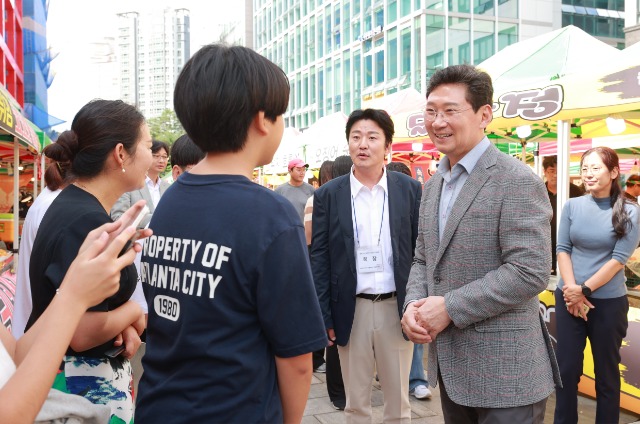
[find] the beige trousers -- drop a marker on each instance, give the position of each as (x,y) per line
(376,343)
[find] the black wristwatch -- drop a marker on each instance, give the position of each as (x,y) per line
(586,290)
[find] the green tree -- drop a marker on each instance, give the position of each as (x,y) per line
(166,127)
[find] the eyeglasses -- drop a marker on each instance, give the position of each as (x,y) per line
(593,170)
(163,157)
(447,115)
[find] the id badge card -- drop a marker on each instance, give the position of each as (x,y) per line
(369,259)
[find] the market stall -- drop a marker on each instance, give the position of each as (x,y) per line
(20,145)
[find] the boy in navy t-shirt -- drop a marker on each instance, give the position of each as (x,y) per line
(233,313)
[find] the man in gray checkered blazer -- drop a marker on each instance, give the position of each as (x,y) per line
(481,259)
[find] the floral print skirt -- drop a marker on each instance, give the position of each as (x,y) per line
(104,381)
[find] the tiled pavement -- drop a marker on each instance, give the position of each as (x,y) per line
(320,410)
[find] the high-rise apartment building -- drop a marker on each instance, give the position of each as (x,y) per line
(152,49)
(338,54)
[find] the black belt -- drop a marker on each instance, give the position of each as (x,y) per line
(377,297)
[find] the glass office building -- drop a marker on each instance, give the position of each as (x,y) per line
(340,53)
(601,18)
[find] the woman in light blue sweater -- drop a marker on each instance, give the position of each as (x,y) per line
(597,235)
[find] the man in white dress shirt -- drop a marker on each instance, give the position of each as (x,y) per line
(365,226)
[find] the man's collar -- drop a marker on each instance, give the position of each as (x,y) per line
(356,185)
(469,161)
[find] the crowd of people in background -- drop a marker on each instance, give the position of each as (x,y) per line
(241,292)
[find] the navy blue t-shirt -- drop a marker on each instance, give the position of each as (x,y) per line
(229,287)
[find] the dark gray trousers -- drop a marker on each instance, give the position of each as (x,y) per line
(459,414)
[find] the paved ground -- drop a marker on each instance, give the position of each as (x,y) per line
(320,410)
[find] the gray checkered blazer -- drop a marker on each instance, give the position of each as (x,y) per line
(128,199)
(490,266)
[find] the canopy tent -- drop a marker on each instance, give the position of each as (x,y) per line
(290,147)
(325,139)
(550,84)
(522,74)
(632,50)
(538,83)
(550,95)
(541,81)
(13,124)
(19,143)
(589,105)
(401,101)
(549,56)
(411,142)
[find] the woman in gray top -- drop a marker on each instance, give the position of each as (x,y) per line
(597,235)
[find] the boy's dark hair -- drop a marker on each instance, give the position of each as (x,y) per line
(478,83)
(184,152)
(221,89)
(342,165)
(379,116)
(399,167)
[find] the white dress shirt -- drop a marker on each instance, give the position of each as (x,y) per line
(154,190)
(367,211)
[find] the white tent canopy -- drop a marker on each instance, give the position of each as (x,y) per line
(290,147)
(326,139)
(406,100)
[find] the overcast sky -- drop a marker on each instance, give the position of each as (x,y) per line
(74,26)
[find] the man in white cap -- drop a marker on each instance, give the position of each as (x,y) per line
(296,190)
